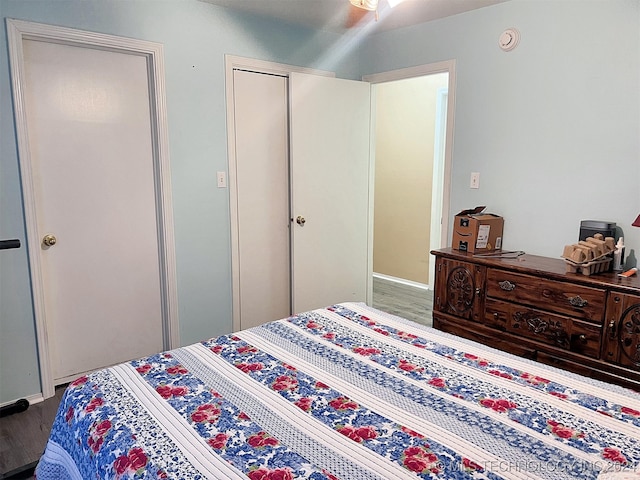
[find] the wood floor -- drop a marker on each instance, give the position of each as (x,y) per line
(405,301)
(24,435)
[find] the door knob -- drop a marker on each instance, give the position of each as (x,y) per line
(49,240)
(300,220)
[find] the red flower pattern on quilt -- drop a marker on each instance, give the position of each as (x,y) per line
(366,351)
(250,367)
(132,461)
(97,432)
(168,391)
(304,403)
(499,405)
(413,433)
(498,373)
(533,379)
(561,431)
(94,403)
(262,439)
(614,455)
(263,473)
(420,459)
(69,415)
(208,413)
(177,370)
(470,465)
(409,367)
(284,382)
(358,434)
(437,382)
(144,369)
(219,441)
(79,381)
(480,361)
(630,411)
(343,403)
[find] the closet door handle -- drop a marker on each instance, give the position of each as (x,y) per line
(300,220)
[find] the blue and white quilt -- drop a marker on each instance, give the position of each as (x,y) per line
(346,392)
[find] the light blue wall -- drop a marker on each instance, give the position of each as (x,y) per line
(553,126)
(196,36)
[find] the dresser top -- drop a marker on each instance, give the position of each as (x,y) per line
(552,268)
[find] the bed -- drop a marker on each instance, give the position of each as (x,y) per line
(345,392)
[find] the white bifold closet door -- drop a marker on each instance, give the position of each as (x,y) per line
(329,128)
(302,151)
(262,180)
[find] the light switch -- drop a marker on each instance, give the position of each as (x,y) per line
(222,179)
(475,180)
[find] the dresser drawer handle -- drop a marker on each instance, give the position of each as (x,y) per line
(612,330)
(507,285)
(578,301)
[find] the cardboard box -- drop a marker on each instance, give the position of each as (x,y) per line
(476,232)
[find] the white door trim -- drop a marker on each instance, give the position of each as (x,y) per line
(233,62)
(447,66)
(435,232)
(18,31)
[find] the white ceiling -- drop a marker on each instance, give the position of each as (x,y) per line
(337,15)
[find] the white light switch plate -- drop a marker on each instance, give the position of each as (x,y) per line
(475,180)
(222,179)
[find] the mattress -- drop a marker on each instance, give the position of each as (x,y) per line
(344,392)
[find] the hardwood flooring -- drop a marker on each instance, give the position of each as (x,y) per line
(24,435)
(406,301)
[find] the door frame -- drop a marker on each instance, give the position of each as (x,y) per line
(233,62)
(447,66)
(17,32)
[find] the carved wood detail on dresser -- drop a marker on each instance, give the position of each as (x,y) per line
(531,307)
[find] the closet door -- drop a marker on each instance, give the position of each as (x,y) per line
(330,151)
(262,181)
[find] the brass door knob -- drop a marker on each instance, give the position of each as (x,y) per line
(300,220)
(49,240)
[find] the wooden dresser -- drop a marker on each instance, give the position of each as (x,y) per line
(531,307)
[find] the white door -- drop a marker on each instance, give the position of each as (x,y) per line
(325,144)
(89,123)
(262,182)
(330,145)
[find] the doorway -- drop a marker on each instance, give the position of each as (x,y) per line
(413,125)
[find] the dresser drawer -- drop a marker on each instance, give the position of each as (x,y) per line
(562,332)
(559,297)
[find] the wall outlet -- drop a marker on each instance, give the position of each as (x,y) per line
(475,180)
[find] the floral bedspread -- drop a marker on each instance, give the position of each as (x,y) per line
(346,392)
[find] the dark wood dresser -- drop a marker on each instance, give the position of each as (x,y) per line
(531,307)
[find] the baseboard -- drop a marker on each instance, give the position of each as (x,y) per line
(403,281)
(35,398)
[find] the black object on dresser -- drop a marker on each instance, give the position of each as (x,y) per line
(532,307)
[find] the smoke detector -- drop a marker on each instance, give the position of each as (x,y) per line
(509,39)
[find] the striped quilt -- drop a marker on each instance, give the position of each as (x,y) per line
(346,392)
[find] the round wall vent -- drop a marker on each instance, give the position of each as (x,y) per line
(509,39)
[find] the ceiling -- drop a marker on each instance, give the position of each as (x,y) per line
(338,15)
